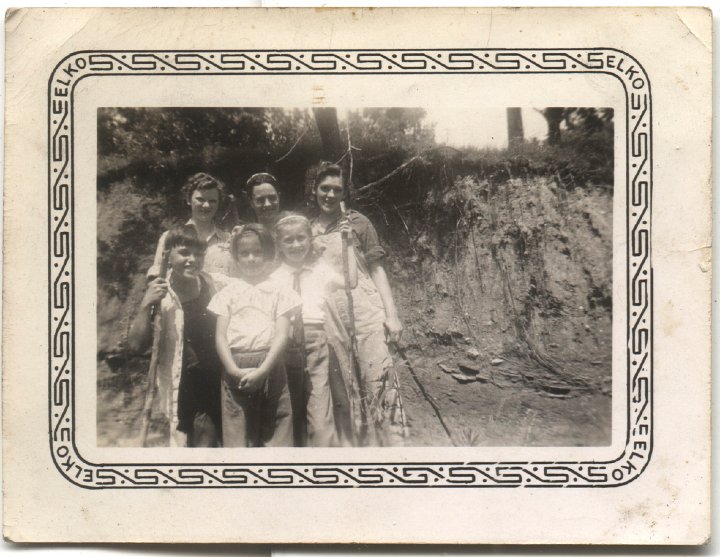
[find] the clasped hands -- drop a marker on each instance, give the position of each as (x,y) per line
(249,380)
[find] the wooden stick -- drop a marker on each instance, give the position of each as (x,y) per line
(401,407)
(152,372)
(424,393)
(351,331)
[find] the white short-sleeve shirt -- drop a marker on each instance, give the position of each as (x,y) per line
(316,281)
(253,310)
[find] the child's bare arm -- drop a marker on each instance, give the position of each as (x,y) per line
(222,347)
(254,380)
(140,333)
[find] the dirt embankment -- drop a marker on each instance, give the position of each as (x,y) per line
(507,304)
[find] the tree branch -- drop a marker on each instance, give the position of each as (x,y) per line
(385,178)
(293,146)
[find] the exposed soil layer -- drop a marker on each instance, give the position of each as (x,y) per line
(507,303)
(505,291)
(502,407)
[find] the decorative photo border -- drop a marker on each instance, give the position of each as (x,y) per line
(61,268)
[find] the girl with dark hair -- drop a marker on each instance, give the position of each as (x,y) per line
(253,320)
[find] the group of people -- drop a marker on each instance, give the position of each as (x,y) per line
(275,333)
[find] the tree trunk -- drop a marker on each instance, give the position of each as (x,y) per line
(553,117)
(327,122)
(516,134)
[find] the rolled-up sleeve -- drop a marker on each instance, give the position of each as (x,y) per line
(368,239)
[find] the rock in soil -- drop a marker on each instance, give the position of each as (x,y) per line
(469,369)
(445,368)
(556,389)
(496,361)
(462,378)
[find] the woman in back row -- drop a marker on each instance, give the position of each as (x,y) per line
(204,194)
(373,395)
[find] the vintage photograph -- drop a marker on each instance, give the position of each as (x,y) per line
(415,277)
(354,276)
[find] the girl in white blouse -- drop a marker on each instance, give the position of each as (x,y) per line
(252,332)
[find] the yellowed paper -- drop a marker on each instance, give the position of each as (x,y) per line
(629,464)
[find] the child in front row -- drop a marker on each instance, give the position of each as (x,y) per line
(251,335)
(313,280)
(184,355)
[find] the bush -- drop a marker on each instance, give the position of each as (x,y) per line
(130,220)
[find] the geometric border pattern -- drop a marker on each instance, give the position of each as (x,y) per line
(61,295)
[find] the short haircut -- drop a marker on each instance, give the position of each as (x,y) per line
(326,169)
(202,181)
(260,178)
(184,235)
(267,244)
(288,219)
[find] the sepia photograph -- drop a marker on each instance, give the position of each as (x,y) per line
(354,277)
(414,277)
